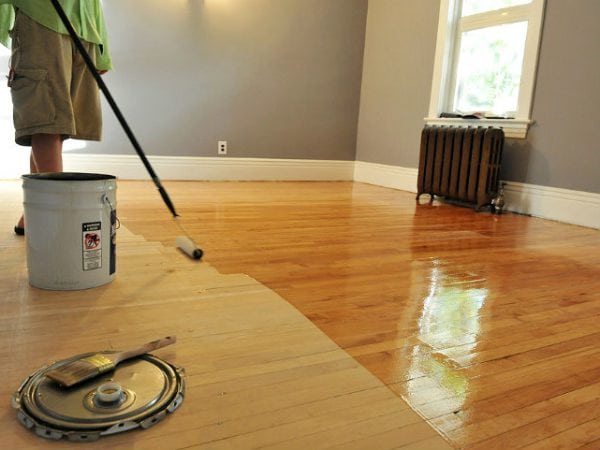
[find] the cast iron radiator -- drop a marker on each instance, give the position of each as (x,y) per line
(460,164)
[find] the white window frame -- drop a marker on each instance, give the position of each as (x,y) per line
(443,71)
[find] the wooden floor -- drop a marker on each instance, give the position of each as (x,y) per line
(487,326)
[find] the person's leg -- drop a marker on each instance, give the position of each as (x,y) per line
(41,61)
(46,156)
(65,104)
(46,152)
(32,166)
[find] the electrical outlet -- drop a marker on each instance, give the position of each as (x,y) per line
(222,148)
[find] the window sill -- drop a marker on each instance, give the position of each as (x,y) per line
(513,128)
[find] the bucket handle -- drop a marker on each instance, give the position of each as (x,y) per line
(106,200)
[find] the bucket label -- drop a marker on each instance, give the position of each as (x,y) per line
(92,245)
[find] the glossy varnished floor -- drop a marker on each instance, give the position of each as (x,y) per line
(487,326)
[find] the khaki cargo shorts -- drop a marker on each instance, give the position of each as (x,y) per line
(52,90)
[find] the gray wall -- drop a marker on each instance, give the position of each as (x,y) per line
(275,78)
(282,79)
(563,147)
(398,67)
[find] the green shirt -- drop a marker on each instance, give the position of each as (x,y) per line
(85,15)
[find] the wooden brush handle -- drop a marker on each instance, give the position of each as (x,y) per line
(159,343)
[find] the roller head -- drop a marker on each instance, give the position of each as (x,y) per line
(189,247)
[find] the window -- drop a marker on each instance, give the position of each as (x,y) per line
(485,62)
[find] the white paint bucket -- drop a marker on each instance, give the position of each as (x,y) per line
(70,221)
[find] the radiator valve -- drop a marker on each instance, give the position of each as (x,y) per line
(498,201)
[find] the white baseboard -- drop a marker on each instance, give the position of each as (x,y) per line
(212,169)
(563,205)
(395,177)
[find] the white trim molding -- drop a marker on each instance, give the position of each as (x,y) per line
(513,128)
(402,178)
(563,205)
(212,169)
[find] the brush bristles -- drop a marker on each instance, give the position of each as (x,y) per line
(81,370)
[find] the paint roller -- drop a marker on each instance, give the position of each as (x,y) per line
(188,246)
(185,242)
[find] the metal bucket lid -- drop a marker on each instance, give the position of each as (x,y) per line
(138,393)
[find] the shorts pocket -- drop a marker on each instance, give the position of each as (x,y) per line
(32,103)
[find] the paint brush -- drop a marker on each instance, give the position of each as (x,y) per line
(91,366)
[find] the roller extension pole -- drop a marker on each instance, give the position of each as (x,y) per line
(113,105)
(185,243)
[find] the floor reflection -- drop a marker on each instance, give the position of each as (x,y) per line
(449,321)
